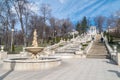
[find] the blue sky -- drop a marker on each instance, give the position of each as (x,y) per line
(76,9)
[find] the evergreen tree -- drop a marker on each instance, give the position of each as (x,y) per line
(84,24)
(78,27)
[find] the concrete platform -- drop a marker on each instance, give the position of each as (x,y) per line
(71,69)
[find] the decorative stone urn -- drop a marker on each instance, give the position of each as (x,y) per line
(2,48)
(3,54)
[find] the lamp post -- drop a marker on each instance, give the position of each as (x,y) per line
(12,39)
(55,36)
(108,33)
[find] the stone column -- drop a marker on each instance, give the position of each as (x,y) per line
(117,55)
(118,58)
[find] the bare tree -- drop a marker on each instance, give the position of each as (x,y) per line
(118,23)
(36,22)
(66,27)
(99,21)
(54,26)
(118,27)
(19,6)
(46,13)
(114,22)
(18,37)
(23,12)
(7,20)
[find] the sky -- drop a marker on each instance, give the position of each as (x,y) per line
(76,9)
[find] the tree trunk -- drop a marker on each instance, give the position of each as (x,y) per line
(23,31)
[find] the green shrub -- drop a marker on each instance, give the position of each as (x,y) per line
(84,44)
(111,39)
(105,33)
(18,48)
(13,48)
(60,45)
(88,42)
(58,39)
(82,48)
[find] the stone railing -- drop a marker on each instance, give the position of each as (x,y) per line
(114,55)
(50,50)
(55,46)
(87,49)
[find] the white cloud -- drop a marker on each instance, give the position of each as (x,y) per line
(62,1)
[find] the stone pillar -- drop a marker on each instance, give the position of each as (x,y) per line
(118,58)
(114,54)
(114,50)
(117,55)
(3,54)
(2,48)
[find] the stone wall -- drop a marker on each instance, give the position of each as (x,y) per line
(114,55)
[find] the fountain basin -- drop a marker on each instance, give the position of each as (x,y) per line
(34,50)
(27,64)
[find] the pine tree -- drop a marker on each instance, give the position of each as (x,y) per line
(78,27)
(84,24)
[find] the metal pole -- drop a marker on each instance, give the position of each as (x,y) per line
(55,36)
(108,34)
(12,39)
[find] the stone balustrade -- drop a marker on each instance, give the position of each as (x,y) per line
(87,49)
(114,55)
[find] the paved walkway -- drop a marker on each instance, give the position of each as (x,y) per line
(98,49)
(73,69)
(70,69)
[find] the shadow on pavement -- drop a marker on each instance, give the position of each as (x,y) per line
(111,62)
(116,72)
(8,72)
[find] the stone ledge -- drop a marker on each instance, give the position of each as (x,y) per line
(3,55)
(30,65)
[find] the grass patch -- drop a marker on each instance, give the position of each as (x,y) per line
(61,45)
(84,45)
(17,49)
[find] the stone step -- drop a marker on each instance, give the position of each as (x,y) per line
(98,56)
(60,52)
(99,53)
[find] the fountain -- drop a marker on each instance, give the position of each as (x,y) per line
(35,62)
(35,49)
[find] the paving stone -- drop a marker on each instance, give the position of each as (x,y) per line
(71,69)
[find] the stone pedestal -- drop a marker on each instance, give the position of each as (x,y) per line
(3,55)
(118,59)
